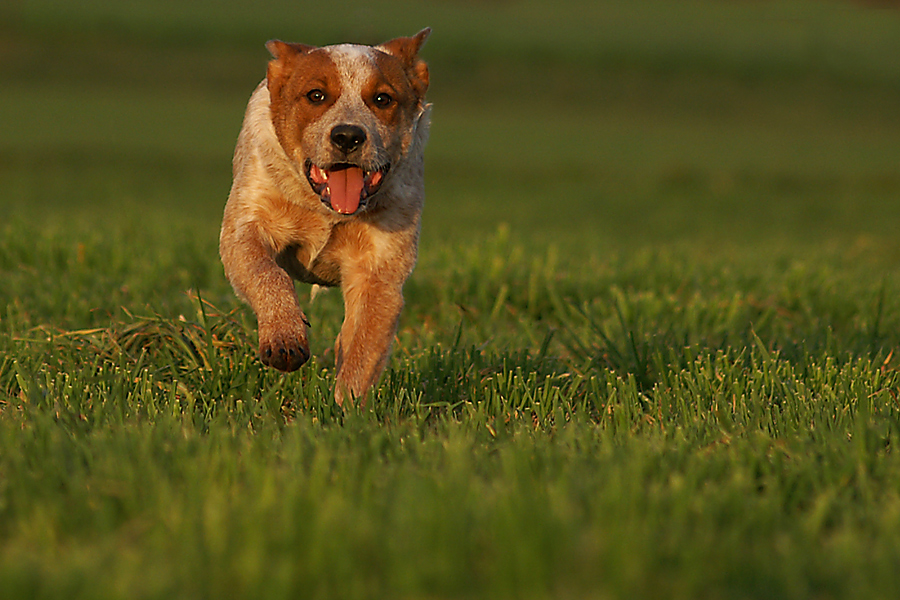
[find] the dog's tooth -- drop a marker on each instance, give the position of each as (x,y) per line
(318,174)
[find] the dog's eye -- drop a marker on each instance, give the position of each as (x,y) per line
(316,96)
(383,100)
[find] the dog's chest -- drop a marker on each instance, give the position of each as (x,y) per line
(294,259)
(320,261)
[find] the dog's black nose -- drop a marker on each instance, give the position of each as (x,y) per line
(348,137)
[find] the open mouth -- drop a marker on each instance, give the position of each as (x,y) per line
(344,187)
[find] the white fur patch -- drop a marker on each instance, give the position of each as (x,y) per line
(353,62)
(354,65)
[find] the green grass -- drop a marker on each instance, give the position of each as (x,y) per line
(651,348)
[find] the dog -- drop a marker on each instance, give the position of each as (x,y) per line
(328,189)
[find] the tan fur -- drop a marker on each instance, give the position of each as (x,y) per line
(276,228)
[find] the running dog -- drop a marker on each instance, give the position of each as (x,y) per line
(328,189)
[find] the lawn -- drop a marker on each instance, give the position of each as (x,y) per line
(651,348)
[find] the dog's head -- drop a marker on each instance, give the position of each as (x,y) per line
(347,114)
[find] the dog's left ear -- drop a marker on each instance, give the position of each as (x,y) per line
(407,50)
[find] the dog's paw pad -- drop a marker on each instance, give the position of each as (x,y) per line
(284,356)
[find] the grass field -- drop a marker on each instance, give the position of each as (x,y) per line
(651,348)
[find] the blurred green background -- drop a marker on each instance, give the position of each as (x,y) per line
(592,124)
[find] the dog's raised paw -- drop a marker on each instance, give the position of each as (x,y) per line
(284,355)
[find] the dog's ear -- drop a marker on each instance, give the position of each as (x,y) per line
(407,50)
(283,54)
(280,49)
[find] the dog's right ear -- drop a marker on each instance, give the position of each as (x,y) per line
(280,49)
(283,54)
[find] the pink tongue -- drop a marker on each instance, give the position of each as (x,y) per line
(346,188)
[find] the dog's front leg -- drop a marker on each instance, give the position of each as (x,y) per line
(371,313)
(250,266)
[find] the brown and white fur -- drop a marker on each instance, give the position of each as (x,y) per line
(328,189)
